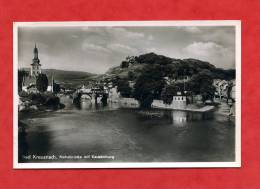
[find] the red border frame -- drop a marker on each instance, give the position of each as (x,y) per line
(79,10)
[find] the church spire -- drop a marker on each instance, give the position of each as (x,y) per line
(35,66)
(35,52)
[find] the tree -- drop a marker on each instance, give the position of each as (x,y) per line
(149,86)
(152,58)
(131,75)
(124,88)
(124,64)
(131,59)
(42,82)
(207,92)
(168,92)
(220,73)
(202,83)
(115,80)
(56,87)
(21,75)
(229,90)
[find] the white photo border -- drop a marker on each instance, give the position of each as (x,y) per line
(236,163)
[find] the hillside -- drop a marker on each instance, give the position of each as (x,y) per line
(123,72)
(169,67)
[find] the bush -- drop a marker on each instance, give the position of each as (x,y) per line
(37,98)
(23,94)
(52,101)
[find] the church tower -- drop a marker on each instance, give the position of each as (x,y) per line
(35,66)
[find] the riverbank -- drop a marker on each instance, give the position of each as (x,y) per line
(220,109)
(191,108)
(225,110)
(130,102)
(39,102)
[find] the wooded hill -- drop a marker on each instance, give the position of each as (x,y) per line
(170,67)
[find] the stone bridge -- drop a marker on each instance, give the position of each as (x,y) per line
(93,94)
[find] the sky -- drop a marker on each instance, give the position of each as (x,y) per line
(96,49)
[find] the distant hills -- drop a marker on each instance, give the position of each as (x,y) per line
(70,79)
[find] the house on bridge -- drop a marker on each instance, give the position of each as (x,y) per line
(179,101)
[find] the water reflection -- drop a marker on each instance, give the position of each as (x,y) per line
(88,105)
(22,141)
(179,118)
(130,134)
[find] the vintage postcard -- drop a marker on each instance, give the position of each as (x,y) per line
(127,94)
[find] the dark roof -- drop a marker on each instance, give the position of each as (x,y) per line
(29,80)
(32,80)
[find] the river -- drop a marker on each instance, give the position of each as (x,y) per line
(90,133)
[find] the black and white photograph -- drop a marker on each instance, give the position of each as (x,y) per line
(127,94)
